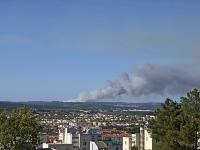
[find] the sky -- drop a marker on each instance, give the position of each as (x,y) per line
(75,50)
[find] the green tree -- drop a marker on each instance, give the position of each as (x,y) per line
(190,119)
(176,125)
(19,130)
(165,126)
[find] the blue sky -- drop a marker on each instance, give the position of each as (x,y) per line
(55,49)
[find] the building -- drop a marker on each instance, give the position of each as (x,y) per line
(117,141)
(76,141)
(67,139)
(98,145)
(135,139)
(69,136)
(58,146)
(43,137)
(145,142)
(127,143)
(64,136)
(85,138)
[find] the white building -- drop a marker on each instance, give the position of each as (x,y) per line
(145,140)
(126,143)
(64,136)
(67,140)
(98,145)
(135,139)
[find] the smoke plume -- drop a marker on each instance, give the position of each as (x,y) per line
(146,80)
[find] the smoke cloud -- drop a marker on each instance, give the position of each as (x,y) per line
(146,80)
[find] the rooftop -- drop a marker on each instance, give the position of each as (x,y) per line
(101,144)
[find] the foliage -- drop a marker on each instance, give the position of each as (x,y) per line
(176,125)
(134,148)
(19,130)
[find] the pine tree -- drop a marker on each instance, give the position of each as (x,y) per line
(176,125)
(165,126)
(190,118)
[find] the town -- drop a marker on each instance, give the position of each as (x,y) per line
(100,129)
(91,126)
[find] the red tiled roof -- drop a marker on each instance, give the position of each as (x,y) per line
(61,129)
(52,138)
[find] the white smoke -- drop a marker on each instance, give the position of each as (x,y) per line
(146,80)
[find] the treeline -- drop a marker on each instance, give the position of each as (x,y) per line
(176,125)
(77,106)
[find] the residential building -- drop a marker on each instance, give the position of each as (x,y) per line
(127,143)
(145,140)
(98,145)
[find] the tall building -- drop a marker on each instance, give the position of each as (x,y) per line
(145,140)
(127,143)
(135,139)
(76,141)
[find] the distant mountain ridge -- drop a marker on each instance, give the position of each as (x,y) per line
(80,105)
